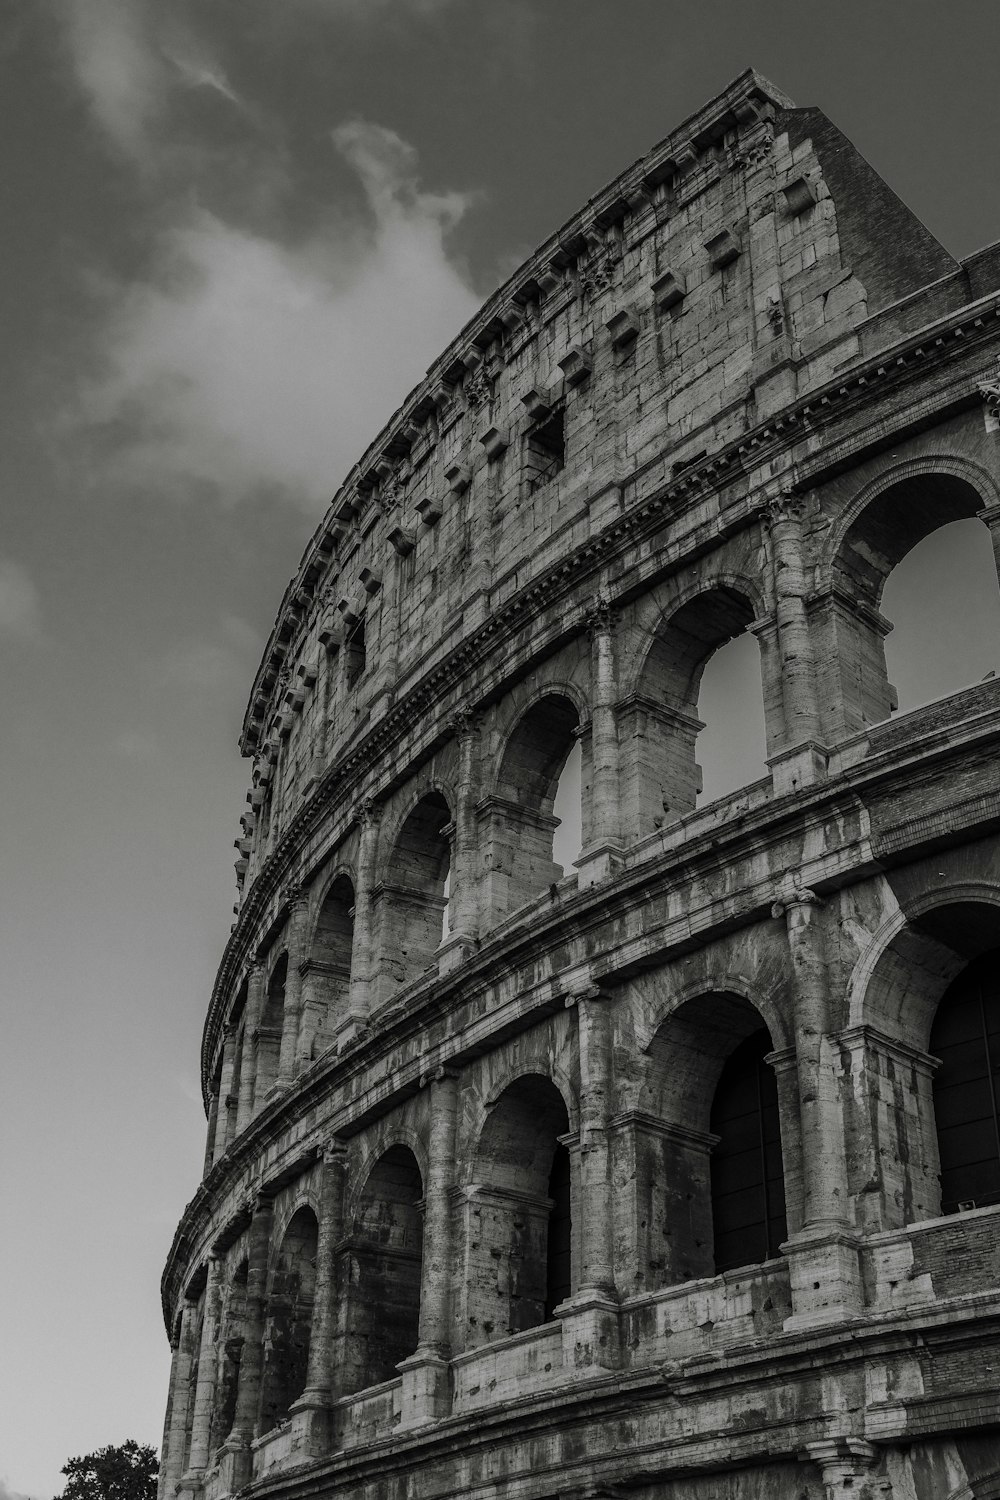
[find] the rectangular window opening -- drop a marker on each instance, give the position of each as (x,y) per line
(354,654)
(545,449)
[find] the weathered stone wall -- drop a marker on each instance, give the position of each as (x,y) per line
(463,1227)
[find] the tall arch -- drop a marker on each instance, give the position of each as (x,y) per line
(288,1321)
(707,1090)
(230,1355)
(413,897)
(519,1213)
(666,777)
(965,1038)
(270,1028)
(885,522)
(383,1271)
(519,816)
(900,1013)
(327,973)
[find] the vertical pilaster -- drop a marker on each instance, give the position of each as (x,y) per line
(591,1315)
(254,1011)
(252,1358)
(225,1102)
(425,1373)
(208,1368)
(175,1435)
(602,858)
(364,962)
(213,1126)
(825,1270)
(313,1411)
(464,897)
(298,911)
(800,760)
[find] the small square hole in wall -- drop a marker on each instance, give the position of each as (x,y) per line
(354,653)
(545,449)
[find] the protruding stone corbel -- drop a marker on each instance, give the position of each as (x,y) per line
(402,541)
(370,581)
(494,440)
(799,196)
(536,404)
(458,478)
(429,511)
(623,328)
(723,248)
(348,613)
(669,290)
(576,365)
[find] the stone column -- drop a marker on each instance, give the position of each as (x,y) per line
(223,1134)
(844,1463)
(603,856)
(254,1010)
(782,516)
(464,895)
(364,962)
(175,1435)
(312,1413)
(239,1458)
(825,1270)
(597,1242)
(425,1392)
(298,913)
(210,1134)
(208,1369)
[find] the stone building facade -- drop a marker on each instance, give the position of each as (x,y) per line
(674,1174)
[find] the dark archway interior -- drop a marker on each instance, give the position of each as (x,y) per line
(289,1319)
(748,1183)
(966,1038)
(385,1259)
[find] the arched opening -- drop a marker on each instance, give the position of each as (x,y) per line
(269,1031)
(709,1090)
(231,1355)
(520,1243)
(919,1113)
(689,651)
(965,1038)
(944,605)
(414,896)
(731,748)
(327,975)
(567,809)
(383,1275)
(748,1181)
(947,583)
(537,766)
(289,1320)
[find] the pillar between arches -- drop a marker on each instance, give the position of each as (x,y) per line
(312,1413)
(426,1392)
(248,1074)
(204,1394)
(591,1329)
(603,856)
(824,1259)
(801,758)
(292,1009)
(236,1454)
(464,900)
(175,1437)
(364,959)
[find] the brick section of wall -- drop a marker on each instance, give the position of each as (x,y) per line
(883,241)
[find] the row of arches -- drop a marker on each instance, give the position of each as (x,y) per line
(709,1174)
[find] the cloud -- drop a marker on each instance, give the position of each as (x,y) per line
(20,612)
(118,68)
(245,365)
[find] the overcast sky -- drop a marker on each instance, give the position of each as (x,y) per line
(235,234)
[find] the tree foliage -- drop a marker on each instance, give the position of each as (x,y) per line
(124,1472)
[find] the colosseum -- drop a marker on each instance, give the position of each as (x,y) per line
(668,1169)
